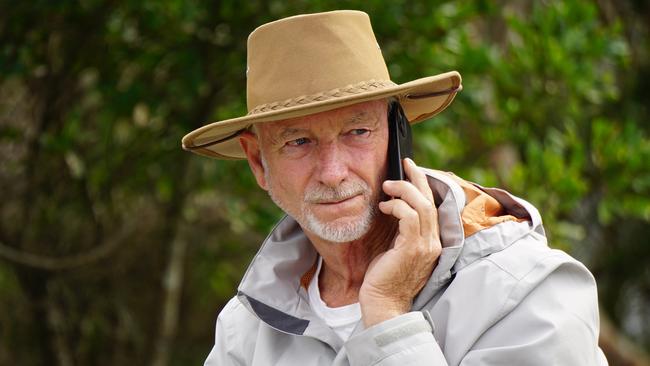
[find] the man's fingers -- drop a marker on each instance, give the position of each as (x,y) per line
(418,178)
(407,216)
(417,201)
(420,181)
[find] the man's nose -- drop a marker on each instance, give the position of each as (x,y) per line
(332,165)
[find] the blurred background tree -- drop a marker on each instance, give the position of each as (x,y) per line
(116,247)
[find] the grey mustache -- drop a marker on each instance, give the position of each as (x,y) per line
(323,194)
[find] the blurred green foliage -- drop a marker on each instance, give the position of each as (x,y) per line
(107,227)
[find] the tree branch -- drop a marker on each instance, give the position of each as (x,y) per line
(62,263)
(173,284)
(56,323)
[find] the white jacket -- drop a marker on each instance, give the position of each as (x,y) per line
(499,296)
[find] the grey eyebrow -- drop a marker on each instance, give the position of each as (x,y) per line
(289,132)
(362,117)
(359,117)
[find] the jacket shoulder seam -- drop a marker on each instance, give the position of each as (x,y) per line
(542,260)
(518,280)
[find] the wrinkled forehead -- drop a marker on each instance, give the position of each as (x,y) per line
(366,112)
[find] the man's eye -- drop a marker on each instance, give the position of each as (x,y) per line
(359,131)
(298,142)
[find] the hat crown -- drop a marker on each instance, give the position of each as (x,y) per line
(310,54)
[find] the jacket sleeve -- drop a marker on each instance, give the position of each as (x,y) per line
(224,351)
(557,323)
(403,340)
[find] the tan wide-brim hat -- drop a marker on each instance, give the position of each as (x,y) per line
(312,63)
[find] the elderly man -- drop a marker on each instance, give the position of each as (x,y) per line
(429,270)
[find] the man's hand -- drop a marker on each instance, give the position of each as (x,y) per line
(397,275)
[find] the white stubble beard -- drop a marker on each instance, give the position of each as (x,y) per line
(332,231)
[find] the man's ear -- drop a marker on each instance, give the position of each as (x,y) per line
(249,143)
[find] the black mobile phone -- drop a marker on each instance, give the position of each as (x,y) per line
(400,141)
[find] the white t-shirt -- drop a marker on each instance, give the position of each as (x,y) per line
(342,319)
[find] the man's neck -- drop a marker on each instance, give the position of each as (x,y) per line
(345,264)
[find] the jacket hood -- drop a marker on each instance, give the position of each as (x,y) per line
(474,223)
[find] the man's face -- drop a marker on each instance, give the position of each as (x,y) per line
(325,170)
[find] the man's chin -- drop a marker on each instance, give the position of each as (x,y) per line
(352,208)
(340,230)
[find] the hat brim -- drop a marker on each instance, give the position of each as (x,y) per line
(420,99)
